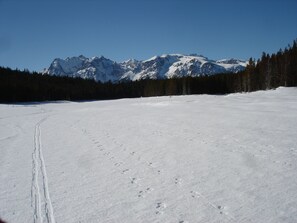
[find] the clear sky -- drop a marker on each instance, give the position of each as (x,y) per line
(34,32)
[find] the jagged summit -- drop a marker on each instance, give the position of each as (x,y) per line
(157,67)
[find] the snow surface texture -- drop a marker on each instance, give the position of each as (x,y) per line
(177,159)
(158,67)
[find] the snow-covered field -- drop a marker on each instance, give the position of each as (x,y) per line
(176,159)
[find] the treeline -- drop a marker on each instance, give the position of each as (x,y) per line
(23,86)
(270,71)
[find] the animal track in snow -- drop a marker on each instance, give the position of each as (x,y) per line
(142,193)
(118,164)
(196,194)
(160,207)
(177,181)
(133,180)
(220,208)
(125,170)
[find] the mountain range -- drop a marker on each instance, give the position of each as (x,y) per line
(158,67)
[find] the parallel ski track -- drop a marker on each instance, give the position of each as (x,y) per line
(40,197)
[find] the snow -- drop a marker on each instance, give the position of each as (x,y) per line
(196,158)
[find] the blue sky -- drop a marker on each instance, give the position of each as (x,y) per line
(34,32)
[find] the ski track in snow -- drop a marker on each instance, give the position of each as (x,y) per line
(41,202)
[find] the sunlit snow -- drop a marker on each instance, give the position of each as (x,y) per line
(197,158)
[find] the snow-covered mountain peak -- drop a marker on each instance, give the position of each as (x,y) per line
(157,67)
(151,59)
(82,56)
(231,61)
(129,61)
